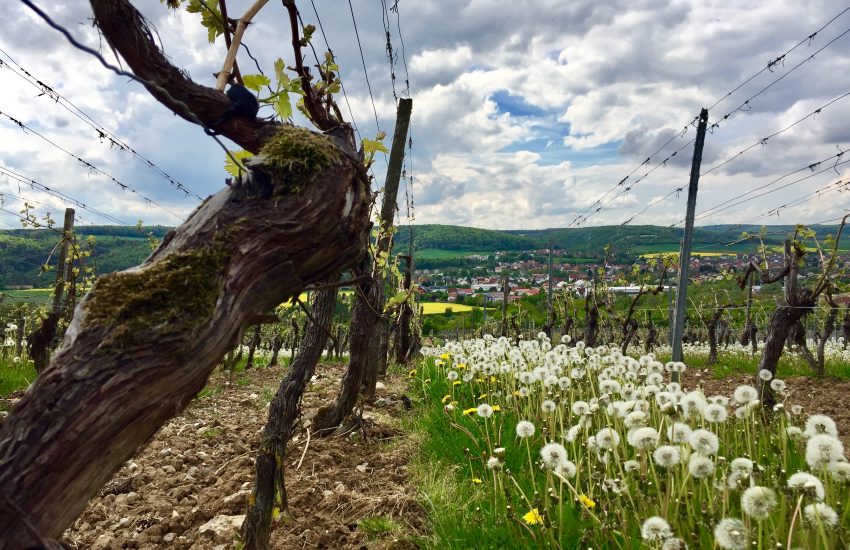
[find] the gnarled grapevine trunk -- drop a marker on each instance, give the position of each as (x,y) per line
(143,342)
(284,410)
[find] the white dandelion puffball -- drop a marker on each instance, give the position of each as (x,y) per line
(631,466)
(674,544)
(679,432)
(548,406)
(731,534)
(524,428)
(667,456)
(777,385)
(607,438)
(715,413)
(704,442)
(804,481)
(794,432)
(655,529)
(494,463)
(635,419)
(484,410)
(820,512)
(823,449)
(742,464)
(565,339)
(840,471)
(700,466)
(580,408)
(553,454)
(451,375)
(744,394)
(758,502)
(820,424)
(765,374)
(566,469)
(644,438)
(796,409)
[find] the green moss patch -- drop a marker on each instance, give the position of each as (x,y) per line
(295,155)
(175,292)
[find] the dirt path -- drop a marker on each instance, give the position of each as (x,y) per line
(349,492)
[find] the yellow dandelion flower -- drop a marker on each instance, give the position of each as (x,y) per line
(492,379)
(456,382)
(412,373)
(516,393)
(476,480)
(533,517)
(586,501)
(497,408)
(470,411)
(446,398)
(482,396)
(444,356)
(461,366)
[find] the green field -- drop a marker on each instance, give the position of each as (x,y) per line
(30,296)
(440,254)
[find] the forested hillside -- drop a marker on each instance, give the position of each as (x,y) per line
(23,251)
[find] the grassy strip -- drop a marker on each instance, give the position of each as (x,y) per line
(464,500)
(15,376)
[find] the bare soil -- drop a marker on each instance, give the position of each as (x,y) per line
(200,466)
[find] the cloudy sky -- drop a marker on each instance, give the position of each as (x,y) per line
(524,113)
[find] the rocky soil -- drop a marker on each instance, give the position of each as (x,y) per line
(188,488)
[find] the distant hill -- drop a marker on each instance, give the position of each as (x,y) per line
(23,251)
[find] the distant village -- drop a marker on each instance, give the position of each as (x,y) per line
(527,274)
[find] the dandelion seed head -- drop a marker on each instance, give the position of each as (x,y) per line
(667,456)
(765,374)
(704,442)
(607,438)
(731,534)
(777,385)
(822,449)
(679,432)
(674,544)
(804,481)
(631,466)
(700,466)
(758,502)
(643,438)
(840,471)
(524,428)
(742,464)
(553,454)
(580,407)
(820,424)
(715,413)
(484,410)
(655,529)
(566,469)
(819,512)
(548,406)
(744,394)
(494,463)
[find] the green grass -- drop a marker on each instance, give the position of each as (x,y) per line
(375,527)
(15,376)
(439,254)
(29,296)
(790,364)
(462,514)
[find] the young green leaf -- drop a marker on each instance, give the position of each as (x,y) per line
(255,81)
(236,169)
